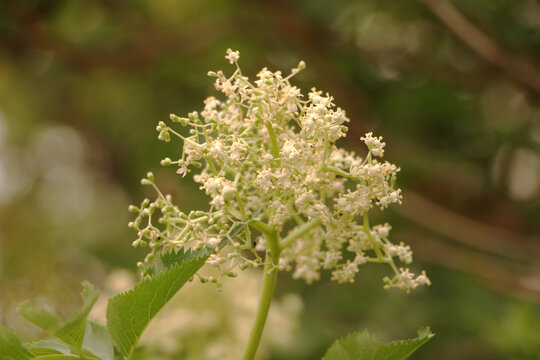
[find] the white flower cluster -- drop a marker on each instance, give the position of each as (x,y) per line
(270,165)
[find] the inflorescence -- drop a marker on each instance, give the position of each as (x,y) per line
(267,158)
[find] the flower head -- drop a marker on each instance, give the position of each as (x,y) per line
(266,154)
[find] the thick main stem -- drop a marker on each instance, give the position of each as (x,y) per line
(265,299)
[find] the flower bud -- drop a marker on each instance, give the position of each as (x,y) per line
(166,162)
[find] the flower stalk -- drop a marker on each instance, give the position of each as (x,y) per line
(267,292)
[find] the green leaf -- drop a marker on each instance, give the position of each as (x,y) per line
(48,347)
(364,346)
(43,318)
(129,314)
(11,347)
(72,332)
(98,341)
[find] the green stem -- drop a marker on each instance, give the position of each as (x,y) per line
(337,171)
(367,230)
(273,139)
(265,299)
(298,232)
(211,165)
(262,227)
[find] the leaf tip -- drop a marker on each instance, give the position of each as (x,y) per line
(425,332)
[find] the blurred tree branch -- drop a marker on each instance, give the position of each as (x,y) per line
(517,68)
(468,232)
(515,281)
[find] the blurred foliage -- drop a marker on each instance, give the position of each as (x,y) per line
(83,83)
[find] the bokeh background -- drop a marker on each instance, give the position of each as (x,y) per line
(452,86)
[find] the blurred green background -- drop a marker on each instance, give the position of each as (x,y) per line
(452,86)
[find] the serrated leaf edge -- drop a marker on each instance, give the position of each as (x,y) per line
(422,336)
(187,256)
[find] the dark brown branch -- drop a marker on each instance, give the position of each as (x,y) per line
(468,232)
(518,282)
(490,51)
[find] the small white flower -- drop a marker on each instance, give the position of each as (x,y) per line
(214,260)
(182,170)
(218,150)
(280,215)
(237,150)
(217,201)
(214,185)
(383,230)
(422,279)
(360,259)
(232,56)
(228,190)
(375,145)
(307,268)
(331,259)
(289,150)
(264,180)
(214,241)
